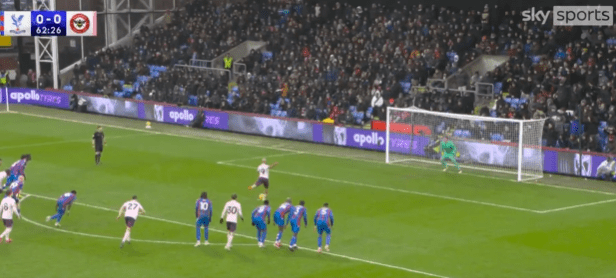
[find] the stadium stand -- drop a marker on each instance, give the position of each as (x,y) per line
(349,63)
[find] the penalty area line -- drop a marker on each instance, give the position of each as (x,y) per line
(254,238)
(258,157)
(117,238)
(391,189)
(578,206)
(275,147)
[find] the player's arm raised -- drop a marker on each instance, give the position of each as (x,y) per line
(273,165)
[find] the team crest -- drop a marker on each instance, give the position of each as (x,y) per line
(17,23)
(80,23)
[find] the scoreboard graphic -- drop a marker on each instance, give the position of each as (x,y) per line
(48,23)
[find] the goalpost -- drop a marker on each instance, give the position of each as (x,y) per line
(511,147)
(5,92)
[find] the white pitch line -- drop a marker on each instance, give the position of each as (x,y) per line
(254,238)
(393,189)
(578,206)
(67,141)
(116,238)
(311,153)
(257,157)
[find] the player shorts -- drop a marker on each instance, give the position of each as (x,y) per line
(231,226)
(323,227)
(295,227)
(7,222)
(448,156)
(60,208)
(263,181)
(260,224)
(204,221)
(98,148)
(278,220)
(130,222)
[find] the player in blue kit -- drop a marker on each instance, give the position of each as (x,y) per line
(203,212)
(18,169)
(63,205)
(323,222)
(283,211)
(258,220)
(299,212)
(15,190)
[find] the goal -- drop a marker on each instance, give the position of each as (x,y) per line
(4,96)
(506,146)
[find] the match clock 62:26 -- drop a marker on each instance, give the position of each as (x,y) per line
(48,23)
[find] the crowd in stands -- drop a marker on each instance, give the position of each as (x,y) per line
(349,63)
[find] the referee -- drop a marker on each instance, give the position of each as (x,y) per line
(98,141)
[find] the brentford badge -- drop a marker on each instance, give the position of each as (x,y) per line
(80,23)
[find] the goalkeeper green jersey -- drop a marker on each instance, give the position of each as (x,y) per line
(448,147)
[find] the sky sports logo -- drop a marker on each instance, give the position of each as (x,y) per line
(573,15)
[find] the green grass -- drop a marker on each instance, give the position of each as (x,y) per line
(391,220)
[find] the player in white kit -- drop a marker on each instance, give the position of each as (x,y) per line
(131,210)
(8,207)
(232,209)
(263,170)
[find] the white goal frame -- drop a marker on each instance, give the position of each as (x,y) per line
(6,97)
(532,171)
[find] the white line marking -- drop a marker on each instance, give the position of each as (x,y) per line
(249,237)
(68,141)
(311,153)
(578,206)
(118,238)
(258,157)
(392,189)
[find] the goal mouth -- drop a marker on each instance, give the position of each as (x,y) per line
(507,147)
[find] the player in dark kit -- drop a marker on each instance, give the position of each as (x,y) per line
(98,141)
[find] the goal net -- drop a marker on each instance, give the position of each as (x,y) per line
(511,147)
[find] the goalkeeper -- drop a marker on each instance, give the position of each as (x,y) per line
(448,151)
(606,169)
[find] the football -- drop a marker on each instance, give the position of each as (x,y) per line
(262,196)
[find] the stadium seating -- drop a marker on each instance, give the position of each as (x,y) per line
(303,74)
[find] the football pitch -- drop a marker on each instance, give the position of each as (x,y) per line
(401,220)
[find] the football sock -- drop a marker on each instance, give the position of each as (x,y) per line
(206,233)
(229,239)
(456,164)
(259,235)
(4,233)
(279,236)
(444,163)
(328,239)
(198,233)
(320,241)
(126,235)
(263,234)
(293,240)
